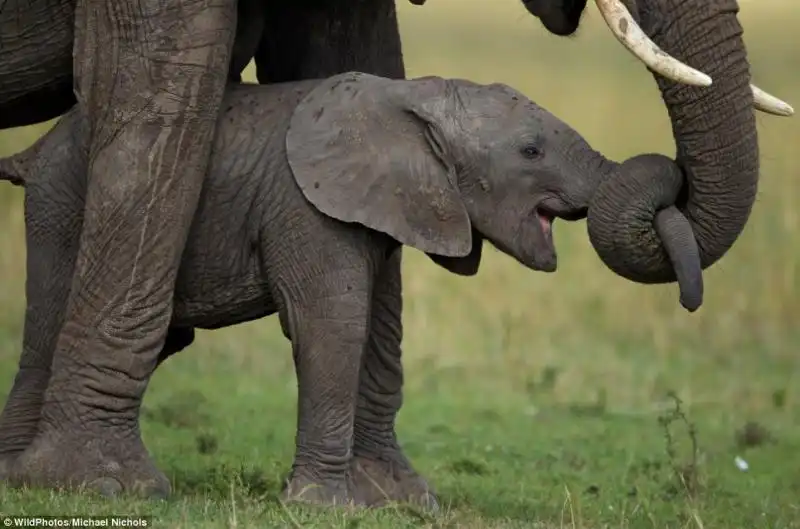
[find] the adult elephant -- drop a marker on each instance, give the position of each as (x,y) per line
(714,129)
(150,76)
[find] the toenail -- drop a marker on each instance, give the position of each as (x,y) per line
(152,491)
(108,487)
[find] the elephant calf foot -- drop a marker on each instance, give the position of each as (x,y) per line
(379,480)
(107,463)
(302,487)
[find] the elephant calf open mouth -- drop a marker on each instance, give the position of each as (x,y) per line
(545,214)
(546,248)
(545,219)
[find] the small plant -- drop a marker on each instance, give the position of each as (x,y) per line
(687,472)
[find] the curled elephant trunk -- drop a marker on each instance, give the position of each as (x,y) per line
(638,198)
(717,146)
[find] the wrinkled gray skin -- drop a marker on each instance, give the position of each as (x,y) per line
(35,60)
(308,222)
(150,77)
(171,92)
(36,41)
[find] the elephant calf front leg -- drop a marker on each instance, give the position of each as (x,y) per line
(327,323)
(380,470)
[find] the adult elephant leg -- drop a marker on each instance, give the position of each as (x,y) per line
(150,75)
(321,38)
(380,470)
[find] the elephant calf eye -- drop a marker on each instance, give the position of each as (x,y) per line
(531,152)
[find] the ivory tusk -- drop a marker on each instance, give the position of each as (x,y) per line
(769,103)
(628,32)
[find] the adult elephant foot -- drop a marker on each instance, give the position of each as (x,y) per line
(103,461)
(390,478)
(6,463)
(20,417)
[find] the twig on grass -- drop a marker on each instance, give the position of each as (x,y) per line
(688,474)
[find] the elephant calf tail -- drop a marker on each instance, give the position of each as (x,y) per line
(17,167)
(11,170)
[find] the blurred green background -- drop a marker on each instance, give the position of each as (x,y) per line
(484,342)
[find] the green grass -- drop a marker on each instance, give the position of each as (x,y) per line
(532,400)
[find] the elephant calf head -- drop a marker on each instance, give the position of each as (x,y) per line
(442,164)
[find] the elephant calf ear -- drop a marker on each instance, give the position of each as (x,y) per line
(359,154)
(463,266)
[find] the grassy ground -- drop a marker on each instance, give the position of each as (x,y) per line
(532,400)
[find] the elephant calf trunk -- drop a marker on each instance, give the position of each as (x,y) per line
(634,226)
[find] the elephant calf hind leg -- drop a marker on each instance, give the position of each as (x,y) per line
(52,246)
(380,471)
(19,420)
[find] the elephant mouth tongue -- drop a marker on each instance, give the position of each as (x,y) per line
(545,252)
(546,222)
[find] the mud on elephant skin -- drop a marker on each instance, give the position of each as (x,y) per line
(309,222)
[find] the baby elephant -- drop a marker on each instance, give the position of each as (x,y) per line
(313,189)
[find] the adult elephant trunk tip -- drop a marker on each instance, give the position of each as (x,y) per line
(676,235)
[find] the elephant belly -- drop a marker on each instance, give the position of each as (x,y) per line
(222,280)
(221,307)
(220,283)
